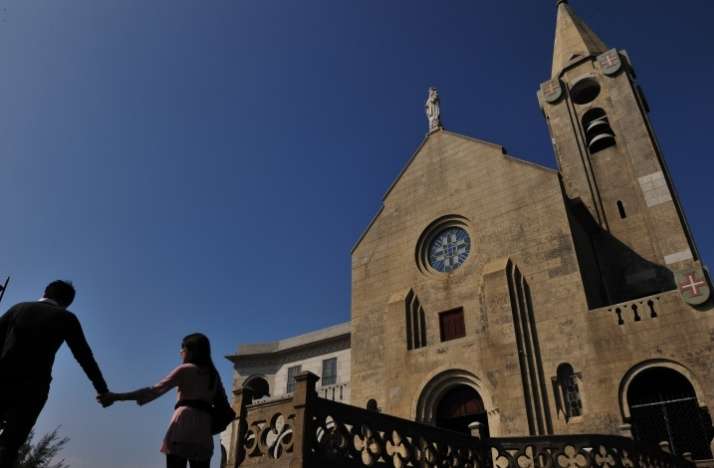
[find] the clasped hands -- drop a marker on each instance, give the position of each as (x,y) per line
(141,396)
(107,399)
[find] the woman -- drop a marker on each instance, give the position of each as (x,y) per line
(188,438)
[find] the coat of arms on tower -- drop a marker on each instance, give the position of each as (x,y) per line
(610,62)
(693,286)
(551,90)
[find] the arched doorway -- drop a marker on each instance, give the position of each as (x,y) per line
(663,407)
(460,406)
(437,392)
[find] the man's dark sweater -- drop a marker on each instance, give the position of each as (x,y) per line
(40,328)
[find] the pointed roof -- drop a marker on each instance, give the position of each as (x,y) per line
(441,133)
(572,37)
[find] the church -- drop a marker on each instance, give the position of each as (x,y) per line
(495,297)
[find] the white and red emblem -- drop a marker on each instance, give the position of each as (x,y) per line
(693,286)
(610,62)
(551,90)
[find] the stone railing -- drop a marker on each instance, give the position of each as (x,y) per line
(306,431)
(334,392)
(343,435)
(579,451)
(642,309)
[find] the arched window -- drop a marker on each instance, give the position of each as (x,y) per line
(585,90)
(621,209)
(598,133)
(664,407)
(259,386)
(567,392)
(415,321)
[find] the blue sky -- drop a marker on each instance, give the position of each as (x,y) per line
(207,166)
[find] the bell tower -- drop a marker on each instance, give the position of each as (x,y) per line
(627,222)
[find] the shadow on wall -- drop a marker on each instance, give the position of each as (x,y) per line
(612,272)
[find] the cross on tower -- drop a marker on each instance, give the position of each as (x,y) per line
(692,286)
(610,59)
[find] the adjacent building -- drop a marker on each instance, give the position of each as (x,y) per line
(269,369)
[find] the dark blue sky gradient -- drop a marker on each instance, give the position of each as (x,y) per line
(208,165)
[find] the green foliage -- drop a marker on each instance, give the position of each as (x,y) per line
(42,453)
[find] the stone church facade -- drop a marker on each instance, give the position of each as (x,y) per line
(535,301)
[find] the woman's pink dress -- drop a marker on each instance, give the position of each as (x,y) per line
(189,433)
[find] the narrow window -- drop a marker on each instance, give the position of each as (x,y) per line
(293,372)
(620,321)
(653,312)
(415,321)
(636,313)
(452,324)
(329,371)
(621,209)
(567,380)
(408,319)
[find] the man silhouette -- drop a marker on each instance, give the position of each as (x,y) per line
(30,335)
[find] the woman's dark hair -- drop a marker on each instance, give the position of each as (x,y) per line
(60,291)
(199,353)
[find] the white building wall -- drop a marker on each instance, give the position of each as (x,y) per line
(314,365)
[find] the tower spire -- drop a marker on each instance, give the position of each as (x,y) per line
(573,38)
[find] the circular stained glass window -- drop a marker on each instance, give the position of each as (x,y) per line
(449,249)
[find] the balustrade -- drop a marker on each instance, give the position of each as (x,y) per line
(637,310)
(579,451)
(347,436)
(334,392)
(305,431)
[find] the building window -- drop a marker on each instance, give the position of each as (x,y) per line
(258,386)
(449,249)
(567,392)
(621,209)
(452,324)
(416,322)
(585,91)
(598,132)
(293,372)
(329,371)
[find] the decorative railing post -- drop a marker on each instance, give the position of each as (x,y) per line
(475,429)
(242,397)
(304,398)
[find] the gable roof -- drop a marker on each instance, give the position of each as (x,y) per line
(423,143)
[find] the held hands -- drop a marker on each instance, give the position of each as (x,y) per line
(141,397)
(107,399)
